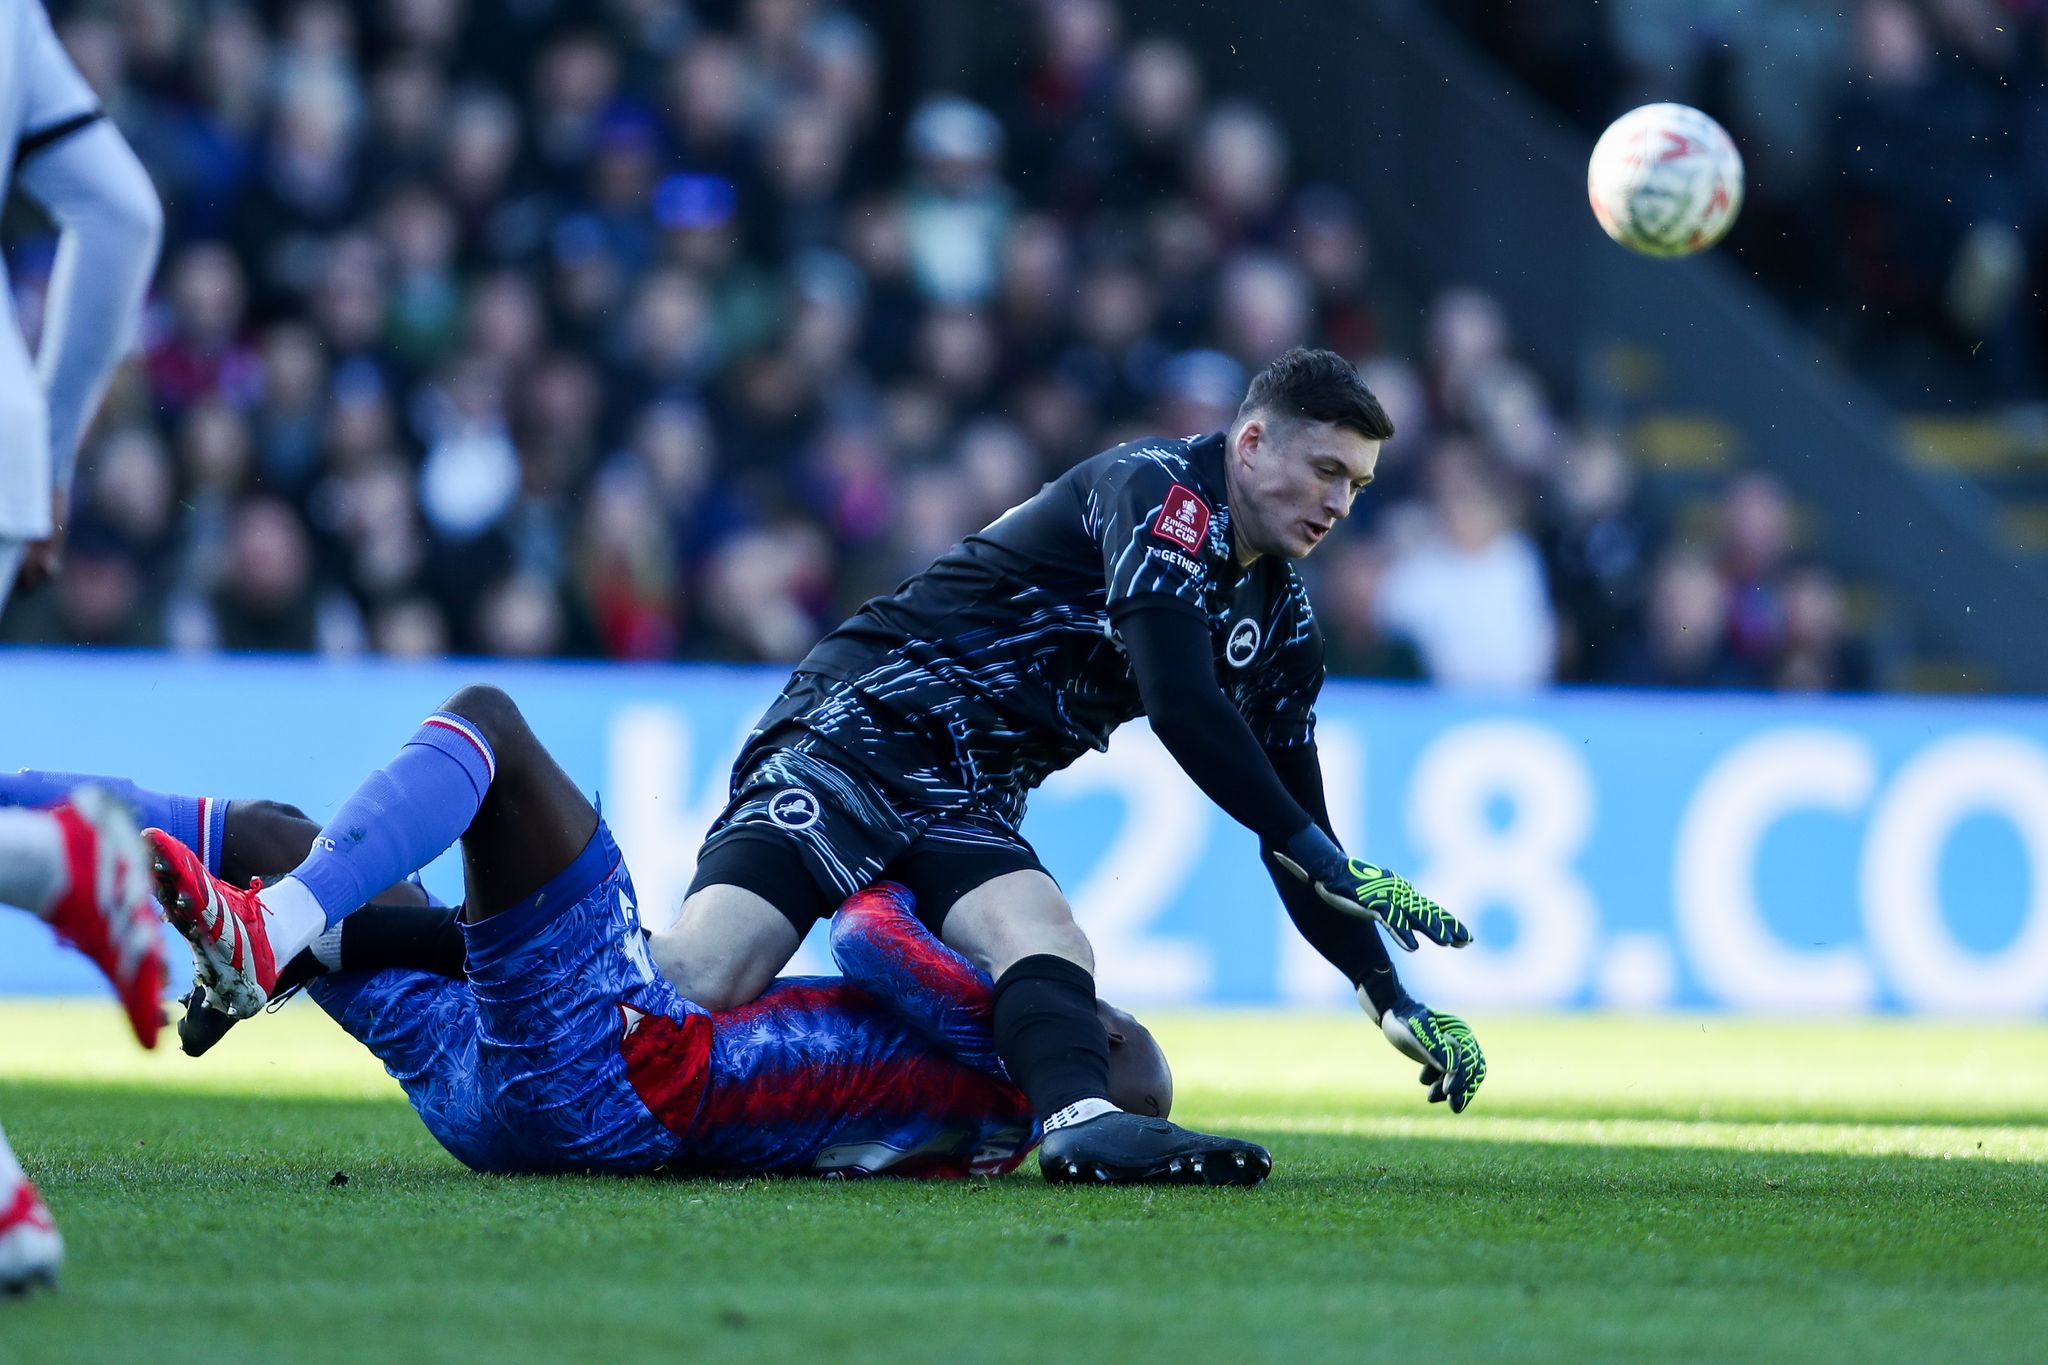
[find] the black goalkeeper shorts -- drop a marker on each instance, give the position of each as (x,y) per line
(809,824)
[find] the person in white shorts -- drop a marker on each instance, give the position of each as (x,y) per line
(82,859)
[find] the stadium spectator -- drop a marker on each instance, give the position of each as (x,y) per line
(1754,545)
(654,332)
(1599,539)
(1818,654)
(1355,639)
(1466,584)
(1684,639)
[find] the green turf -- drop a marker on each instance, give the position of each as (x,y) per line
(1626,1189)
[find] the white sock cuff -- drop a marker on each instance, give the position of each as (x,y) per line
(292,916)
(33,867)
(1080,1111)
(326,949)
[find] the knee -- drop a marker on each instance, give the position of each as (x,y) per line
(711,983)
(264,839)
(724,948)
(492,711)
(1042,938)
(999,925)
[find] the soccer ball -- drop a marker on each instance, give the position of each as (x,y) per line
(1665,180)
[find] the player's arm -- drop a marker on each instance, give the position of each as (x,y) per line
(1452,1064)
(1352,945)
(1154,531)
(1167,642)
(72,162)
(110,225)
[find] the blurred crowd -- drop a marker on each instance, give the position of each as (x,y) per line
(1897,153)
(648,329)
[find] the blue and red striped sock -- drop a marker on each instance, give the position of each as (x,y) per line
(401,817)
(194,821)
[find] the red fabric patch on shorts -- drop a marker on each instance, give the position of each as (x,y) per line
(668,1062)
(1183,519)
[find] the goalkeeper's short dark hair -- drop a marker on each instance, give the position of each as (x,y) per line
(1316,386)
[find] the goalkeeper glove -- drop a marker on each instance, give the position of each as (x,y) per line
(1452,1064)
(1369,892)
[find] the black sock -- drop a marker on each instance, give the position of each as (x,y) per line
(298,972)
(1048,1034)
(426,938)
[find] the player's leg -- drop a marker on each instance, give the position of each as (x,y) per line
(264,839)
(522,817)
(417,936)
(1004,913)
(33,862)
(1017,927)
(197,821)
(727,943)
(880,946)
(238,840)
(530,820)
(533,820)
(30,1249)
(244,840)
(799,836)
(979,884)
(80,867)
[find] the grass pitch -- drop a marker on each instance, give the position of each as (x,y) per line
(1624,1189)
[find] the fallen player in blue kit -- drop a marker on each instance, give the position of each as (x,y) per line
(889,1068)
(554,1044)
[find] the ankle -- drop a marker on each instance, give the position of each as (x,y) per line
(1080,1111)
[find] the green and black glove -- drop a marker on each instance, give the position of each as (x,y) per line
(1369,891)
(1452,1064)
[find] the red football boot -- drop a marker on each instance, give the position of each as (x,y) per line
(223,923)
(106,913)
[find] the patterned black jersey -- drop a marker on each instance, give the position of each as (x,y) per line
(1001,664)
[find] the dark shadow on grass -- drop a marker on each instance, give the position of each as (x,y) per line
(152,1127)
(1310,1105)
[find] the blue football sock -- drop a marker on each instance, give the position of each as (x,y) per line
(194,821)
(402,816)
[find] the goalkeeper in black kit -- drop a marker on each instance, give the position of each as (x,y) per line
(1153,579)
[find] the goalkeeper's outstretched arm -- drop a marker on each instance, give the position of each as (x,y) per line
(1453,1066)
(1168,643)
(1350,944)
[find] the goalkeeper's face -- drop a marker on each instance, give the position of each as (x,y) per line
(1292,481)
(1139,1078)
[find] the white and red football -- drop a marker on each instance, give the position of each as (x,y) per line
(1665,180)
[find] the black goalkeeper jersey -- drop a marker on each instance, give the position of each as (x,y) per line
(1001,663)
